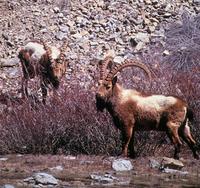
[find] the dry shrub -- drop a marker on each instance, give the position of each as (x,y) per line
(183,41)
(68,124)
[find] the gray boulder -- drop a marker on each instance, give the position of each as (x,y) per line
(122,165)
(171,163)
(44,178)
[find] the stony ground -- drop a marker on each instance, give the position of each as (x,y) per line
(93,29)
(89,171)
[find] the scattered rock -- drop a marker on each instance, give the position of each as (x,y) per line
(172,171)
(197,2)
(64,29)
(57,168)
(140,45)
(56,10)
(171,163)
(9,62)
(133,42)
(60,35)
(44,30)
(166,53)
(42,178)
(8,186)
(77,36)
(30,180)
(69,157)
(154,164)
(110,53)
(122,165)
(86,162)
(60,15)
(107,178)
(19,155)
(70,23)
(45,179)
(118,59)
(5,36)
(3,159)
(142,37)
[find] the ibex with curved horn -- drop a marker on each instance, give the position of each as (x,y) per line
(37,59)
(132,110)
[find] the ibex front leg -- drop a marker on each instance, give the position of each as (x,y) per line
(127,134)
(24,88)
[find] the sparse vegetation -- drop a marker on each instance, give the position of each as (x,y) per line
(69,124)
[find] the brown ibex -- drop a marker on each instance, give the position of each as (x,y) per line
(37,59)
(132,110)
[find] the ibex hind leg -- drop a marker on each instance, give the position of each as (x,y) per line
(186,135)
(131,148)
(172,132)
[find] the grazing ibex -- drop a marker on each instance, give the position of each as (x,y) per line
(37,59)
(132,110)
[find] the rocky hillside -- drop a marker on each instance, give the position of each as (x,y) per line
(92,28)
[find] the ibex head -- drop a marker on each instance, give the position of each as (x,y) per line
(108,82)
(58,65)
(102,85)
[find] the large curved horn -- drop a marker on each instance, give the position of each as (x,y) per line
(62,52)
(108,61)
(48,51)
(127,63)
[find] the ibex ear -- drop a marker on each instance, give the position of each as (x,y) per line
(114,80)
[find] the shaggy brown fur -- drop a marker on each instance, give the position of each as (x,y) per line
(132,110)
(48,69)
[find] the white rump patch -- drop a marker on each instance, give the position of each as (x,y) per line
(38,50)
